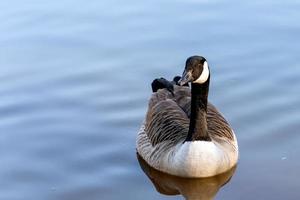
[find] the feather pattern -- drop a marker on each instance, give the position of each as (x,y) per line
(168,117)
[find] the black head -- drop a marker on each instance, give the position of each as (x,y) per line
(196,70)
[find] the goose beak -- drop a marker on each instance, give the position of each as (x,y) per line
(186,77)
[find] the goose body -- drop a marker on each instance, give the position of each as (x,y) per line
(183,134)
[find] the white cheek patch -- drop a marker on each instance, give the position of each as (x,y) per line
(204,75)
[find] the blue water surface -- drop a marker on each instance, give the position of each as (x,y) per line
(75,80)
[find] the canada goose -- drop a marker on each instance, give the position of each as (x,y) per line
(183,134)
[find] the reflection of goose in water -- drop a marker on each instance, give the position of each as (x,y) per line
(190,188)
(183,134)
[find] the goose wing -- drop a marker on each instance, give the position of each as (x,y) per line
(218,127)
(167,119)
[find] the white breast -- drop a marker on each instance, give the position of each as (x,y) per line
(199,159)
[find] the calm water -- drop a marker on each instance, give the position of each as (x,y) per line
(75,79)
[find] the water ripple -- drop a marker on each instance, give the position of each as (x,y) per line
(75,81)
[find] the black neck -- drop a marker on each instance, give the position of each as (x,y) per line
(198,123)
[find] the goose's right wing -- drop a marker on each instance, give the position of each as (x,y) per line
(166,121)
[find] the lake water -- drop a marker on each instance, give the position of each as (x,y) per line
(75,80)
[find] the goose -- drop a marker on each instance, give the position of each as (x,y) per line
(183,134)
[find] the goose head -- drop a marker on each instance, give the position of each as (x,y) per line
(196,71)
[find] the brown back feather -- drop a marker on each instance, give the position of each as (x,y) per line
(167,118)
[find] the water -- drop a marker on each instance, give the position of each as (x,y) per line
(75,80)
